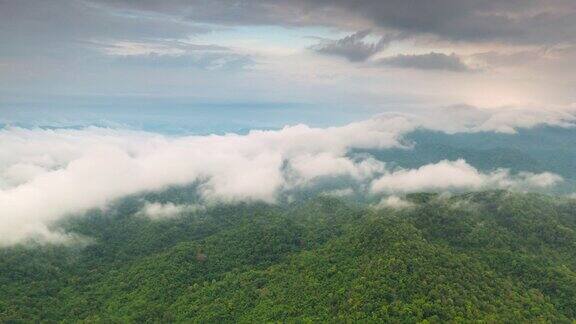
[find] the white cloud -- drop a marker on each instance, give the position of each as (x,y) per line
(393,202)
(308,167)
(458,175)
(464,118)
(540,180)
(167,210)
(48,174)
(345,192)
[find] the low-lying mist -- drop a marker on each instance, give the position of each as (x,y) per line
(48,174)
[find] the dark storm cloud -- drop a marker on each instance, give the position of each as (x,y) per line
(352,47)
(519,21)
(430,61)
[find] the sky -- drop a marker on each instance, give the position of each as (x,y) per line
(228,65)
(254,100)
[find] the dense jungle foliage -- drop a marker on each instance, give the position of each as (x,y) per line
(491,256)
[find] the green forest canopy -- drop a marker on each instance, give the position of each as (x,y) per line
(491,256)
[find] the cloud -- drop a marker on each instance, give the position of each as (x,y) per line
(466,118)
(541,180)
(508,21)
(158,47)
(175,54)
(312,166)
(162,211)
(393,202)
(202,60)
(352,47)
(458,175)
(72,27)
(230,12)
(56,47)
(48,174)
(430,61)
(345,192)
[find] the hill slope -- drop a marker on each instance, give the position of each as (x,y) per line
(492,256)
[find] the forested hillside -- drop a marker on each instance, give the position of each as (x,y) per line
(490,256)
